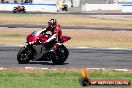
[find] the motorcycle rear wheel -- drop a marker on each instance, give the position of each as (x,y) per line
(24,11)
(60,56)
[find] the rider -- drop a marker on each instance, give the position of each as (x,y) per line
(56,36)
(19,6)
(56,33)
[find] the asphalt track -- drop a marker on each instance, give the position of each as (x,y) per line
(90,58)
(74,12)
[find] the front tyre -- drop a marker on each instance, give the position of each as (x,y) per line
(24,55)
(60,55)
(14,11)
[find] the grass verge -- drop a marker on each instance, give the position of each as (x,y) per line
(56,79)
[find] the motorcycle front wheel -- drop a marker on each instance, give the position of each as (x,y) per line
(14,11)
(24,55)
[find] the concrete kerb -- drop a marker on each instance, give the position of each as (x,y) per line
(114,69)
(63,69)
(77,69)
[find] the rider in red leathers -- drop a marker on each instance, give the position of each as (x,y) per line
(56,33)
(56,36)
(19,7)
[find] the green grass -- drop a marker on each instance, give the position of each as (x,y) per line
(56,79)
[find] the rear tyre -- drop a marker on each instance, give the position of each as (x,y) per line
(24,55)
(60,55)
(24,11)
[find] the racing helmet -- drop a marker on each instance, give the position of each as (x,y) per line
(52,23)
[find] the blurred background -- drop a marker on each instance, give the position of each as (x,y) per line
(75,5)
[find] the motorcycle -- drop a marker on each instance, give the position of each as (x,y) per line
(34,49)
(65,7)
(19,9)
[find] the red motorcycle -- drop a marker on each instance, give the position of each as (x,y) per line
(19,9)
(34,49)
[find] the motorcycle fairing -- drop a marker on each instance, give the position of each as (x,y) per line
(39,51)
(34,36)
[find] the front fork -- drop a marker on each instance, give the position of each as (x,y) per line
(28,45)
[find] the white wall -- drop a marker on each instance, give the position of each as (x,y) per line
(68,2)
(42,8)
(44,1)
(76,3)
(91,7)
(94,7)
(34,7)
(124,0)
(127,8)
(52,7)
